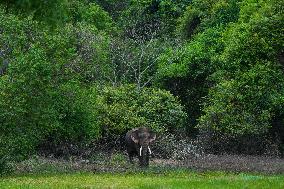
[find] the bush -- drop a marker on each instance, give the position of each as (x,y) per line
(216,142)
(169,146)
(124,107)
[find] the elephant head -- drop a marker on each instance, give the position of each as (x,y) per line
(138,143)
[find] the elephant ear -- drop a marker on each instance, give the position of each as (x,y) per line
(134,136)
(152,137)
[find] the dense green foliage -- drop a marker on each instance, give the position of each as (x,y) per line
(41,96)
(73,71)
(234,59)
(122,108)
(250,82)
(184,70)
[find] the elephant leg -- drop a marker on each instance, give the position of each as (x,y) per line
(140,160)
(147,161)
(131,159)
(130,155)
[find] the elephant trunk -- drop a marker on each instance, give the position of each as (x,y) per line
(144,152)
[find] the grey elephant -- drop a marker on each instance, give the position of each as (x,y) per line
(138,143)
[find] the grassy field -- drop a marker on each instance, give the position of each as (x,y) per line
(170,179)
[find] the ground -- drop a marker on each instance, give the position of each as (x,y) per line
(117,162)
(208,171)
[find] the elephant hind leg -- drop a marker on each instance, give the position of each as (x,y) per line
(131,159)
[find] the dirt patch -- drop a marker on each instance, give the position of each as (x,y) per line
(237,163)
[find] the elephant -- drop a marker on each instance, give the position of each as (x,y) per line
(138,143)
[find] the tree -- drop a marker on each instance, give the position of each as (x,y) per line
(248,96)
(134,61)
(42,95)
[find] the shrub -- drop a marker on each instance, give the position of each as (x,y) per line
(124,107)
(170,146)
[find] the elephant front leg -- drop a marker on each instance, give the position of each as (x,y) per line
(130,155)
